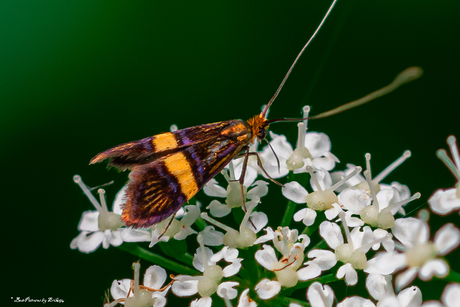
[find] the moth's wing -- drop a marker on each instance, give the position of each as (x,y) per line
(158,189)
(128,155)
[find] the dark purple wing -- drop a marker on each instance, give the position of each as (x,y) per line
(144,151)
(158,189)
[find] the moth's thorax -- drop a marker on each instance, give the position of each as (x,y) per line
(239,130)
(259,127)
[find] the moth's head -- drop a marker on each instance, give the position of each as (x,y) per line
(259,127)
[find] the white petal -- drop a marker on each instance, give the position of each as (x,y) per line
(351,277)
(250,175)
(356,301)
(90,242)
(270,163)
(451,295)
(89,221)
(436,267)
(202,302)
(119,201)
(154,277)
(259,189)
(212,237)
(323,258)
(389,301)
(156,237)
(387,197)
(115,239)
(317,143)
(443,202)
(160,300)
(326,161)
(404,278)
(331,233)
(213,189)
(198,258)
(218,209)
(245,300)
(377,286)
(307,216)
(385,263)
(184,232)
(410,231)
(322,176)
(185,285)
(295,192)
(410,297)
(232,269)
(311,271)
(74,243)
(266,257)
(333,212)
(354,199)
(258,219)
(319,295)
(270,235)
(280,145)
(120,288)
(225,290)
(192,212)
(267,289)
(135,235)
(447,238)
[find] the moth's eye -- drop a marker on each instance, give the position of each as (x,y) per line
(262,133)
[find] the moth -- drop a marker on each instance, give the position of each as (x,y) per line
(168,169)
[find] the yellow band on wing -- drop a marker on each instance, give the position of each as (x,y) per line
(179,167)
(164,141)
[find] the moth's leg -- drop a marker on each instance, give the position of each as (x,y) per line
(243,173)
(167,226)
(259,162)
(241,181)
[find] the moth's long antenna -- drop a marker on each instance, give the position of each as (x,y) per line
(264,112)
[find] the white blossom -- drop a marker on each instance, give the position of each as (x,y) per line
(100,226)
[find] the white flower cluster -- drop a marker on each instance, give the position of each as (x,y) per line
(358,219)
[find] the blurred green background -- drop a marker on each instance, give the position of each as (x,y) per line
(79,77)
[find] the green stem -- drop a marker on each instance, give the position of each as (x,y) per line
(288,214)
(200,223)
(145,254)
(453,276)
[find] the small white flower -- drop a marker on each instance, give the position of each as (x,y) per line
(101,226)
(287,268)
(313,149)
(381,289)
(129,292)
(419,253)
(232,194)
(251,224)
(210,282)
(352,253)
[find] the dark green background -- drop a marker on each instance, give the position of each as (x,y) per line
(78,77)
